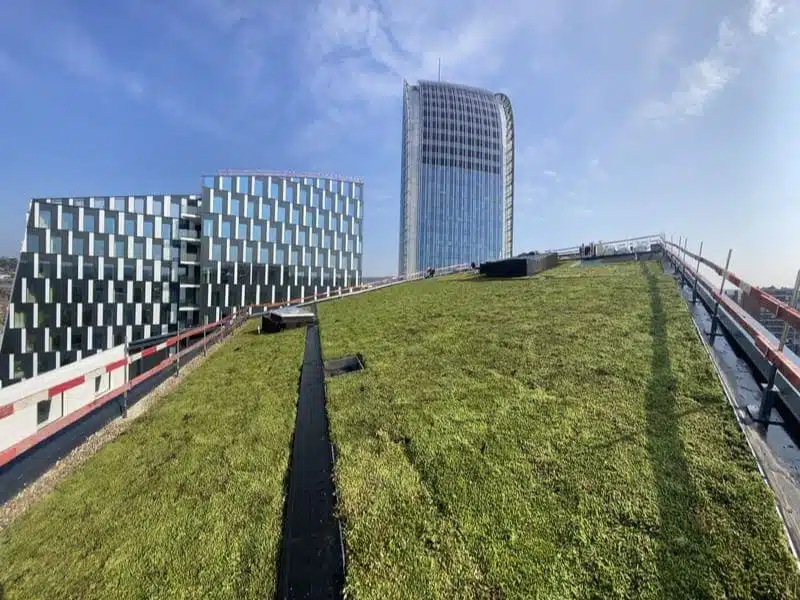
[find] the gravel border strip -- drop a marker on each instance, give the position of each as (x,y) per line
(19,504)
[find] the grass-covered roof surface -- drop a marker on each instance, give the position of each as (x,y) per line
(561,436)
(187,503)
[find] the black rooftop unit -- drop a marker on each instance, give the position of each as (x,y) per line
(520,266)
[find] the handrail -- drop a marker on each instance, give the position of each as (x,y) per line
(242,315)
(786,366)
(780,309)
(576,249)
(633,239)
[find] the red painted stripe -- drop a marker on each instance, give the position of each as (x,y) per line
(786,367)
(149,351)
(780,309)
(116,365)
(45,432)
(16,449)
(67,385)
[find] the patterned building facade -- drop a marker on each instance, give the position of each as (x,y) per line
(457,187)
(96,272)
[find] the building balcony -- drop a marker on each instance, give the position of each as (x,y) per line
(190,212)
(189,235)
(189,257)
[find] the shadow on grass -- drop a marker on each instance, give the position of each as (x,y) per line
(683,554)
(282,542)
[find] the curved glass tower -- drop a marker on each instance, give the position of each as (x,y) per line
(457,190)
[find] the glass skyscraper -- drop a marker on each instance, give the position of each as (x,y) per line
(457,190)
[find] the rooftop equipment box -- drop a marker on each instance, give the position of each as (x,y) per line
(520,266)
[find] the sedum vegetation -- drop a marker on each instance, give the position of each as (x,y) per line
(554,437)
(187,503)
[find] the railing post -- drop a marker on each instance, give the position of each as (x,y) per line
(697,274)
(676,259)
(205,347)
(178,350)
(770,391)
(124,407)
(674,256)
(714,318)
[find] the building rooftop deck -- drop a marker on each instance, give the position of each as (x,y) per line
(558,436)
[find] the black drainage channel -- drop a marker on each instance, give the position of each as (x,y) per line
(312,558)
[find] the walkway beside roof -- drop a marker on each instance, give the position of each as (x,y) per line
(311,562)
(775,447)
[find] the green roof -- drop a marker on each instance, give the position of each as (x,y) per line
(561,436)
(558,436)
(187,503)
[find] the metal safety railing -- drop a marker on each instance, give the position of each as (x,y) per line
(612,248)
(211,333)
(775,355)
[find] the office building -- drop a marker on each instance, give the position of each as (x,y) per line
(97,272)
(768,319)
(457,188)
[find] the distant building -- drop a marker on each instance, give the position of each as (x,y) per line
(457,188)
(97,272)
(767,319)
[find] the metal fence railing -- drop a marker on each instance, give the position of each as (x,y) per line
(778,360)
(201,337)
(612,248)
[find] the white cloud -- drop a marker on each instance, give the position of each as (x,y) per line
(699,82)
(705,78)
(362,50)
(65,42)
(551,174)
(762,15)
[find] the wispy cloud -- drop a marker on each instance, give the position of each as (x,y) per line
(81,56)
(363,49)
(699,82)
(65,42)
(762,15)
(705,78)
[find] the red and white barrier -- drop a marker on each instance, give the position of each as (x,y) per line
(780,309)
(786,366)
(75,386)
(32,409)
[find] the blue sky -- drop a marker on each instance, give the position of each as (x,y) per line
(631,117)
